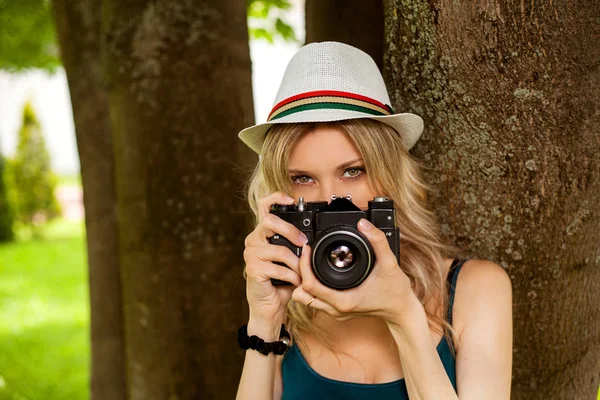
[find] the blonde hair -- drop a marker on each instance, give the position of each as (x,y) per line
(394,173)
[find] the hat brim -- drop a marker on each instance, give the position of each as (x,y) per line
(409,126)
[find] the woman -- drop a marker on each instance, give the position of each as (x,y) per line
(412,329)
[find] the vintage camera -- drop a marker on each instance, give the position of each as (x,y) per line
(342,257)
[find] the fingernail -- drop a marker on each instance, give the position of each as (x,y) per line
(302,238)
(289,199)
(366,225)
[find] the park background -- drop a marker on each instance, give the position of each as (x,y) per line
(45,349)
(44,299)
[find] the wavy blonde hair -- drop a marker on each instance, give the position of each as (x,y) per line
(394,173)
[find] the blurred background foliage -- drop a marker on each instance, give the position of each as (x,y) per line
(27,38)
(30,176)
(27,183)
(266,20)
(6,209)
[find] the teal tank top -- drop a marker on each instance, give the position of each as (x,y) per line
(301,382)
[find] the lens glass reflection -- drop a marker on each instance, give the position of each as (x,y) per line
(341,256)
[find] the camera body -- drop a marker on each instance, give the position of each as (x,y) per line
(342,257)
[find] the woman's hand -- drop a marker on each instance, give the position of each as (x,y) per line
(386,293)
(268,302)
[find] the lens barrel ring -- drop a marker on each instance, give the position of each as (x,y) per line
(342,278)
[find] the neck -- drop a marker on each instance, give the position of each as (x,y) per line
(345,335)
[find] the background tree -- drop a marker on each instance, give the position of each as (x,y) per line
(510,93)
(6,211)
(356,22)
(179,81)
(180,89)
(27,41)
(79,33)
(32,175)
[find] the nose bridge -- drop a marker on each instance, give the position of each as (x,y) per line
(327,189)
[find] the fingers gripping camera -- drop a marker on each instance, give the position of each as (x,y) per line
(342,257)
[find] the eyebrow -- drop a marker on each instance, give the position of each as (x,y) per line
(339,167)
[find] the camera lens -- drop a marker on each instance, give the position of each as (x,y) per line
(341,257)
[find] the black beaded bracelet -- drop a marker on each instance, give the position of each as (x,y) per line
(255,343)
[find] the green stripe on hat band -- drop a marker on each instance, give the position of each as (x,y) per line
(317,106)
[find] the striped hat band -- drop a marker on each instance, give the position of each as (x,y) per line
(329,99)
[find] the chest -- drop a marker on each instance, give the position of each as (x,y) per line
(364,361)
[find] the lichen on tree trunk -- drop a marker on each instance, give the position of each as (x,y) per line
(509,92)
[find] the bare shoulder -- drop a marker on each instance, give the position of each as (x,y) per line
(479,277)
(482,287)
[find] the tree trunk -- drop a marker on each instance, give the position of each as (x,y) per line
(180,89)
(356,22)
(510,96)
(78,26)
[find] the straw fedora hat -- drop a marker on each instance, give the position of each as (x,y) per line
(332,81)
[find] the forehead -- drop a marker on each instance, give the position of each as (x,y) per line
(325,145)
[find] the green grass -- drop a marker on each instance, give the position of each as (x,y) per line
(44,328)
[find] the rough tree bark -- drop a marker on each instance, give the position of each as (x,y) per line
(356,22)
(180,89)
(78,27)
(510,95)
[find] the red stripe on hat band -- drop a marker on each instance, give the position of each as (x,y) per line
(327,93)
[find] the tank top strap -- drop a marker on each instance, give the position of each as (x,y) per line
(451,282)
